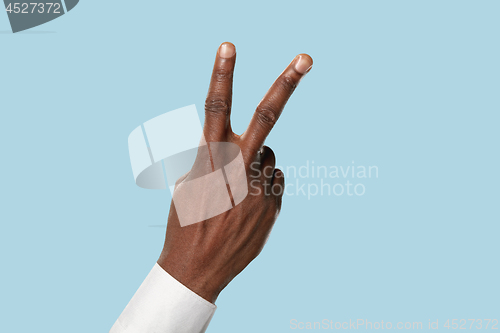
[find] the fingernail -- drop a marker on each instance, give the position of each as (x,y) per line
(303,63)
(278,174)
(227,50)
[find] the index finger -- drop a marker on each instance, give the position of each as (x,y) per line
(218,102)
(269,109)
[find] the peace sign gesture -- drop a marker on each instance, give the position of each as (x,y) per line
(218,103)
(206,256)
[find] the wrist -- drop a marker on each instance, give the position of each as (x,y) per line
(198,282)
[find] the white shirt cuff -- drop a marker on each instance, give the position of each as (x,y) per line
(164,305)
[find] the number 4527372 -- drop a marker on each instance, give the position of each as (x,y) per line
(34,7)
(474,323)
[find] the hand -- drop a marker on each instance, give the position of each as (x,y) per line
(206,256)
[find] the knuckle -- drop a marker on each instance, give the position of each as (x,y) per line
(268,152)
(280,175)
(218,105)
(222,75)
(267,115)
(288,84)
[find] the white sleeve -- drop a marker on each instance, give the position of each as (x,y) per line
(164,305)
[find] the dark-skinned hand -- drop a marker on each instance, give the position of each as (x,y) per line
(206,256)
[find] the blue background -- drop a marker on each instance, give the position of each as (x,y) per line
(411,87)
